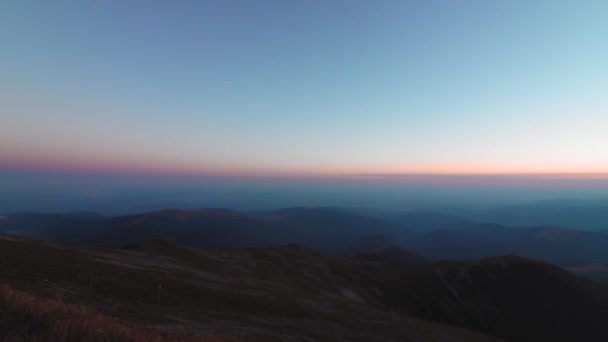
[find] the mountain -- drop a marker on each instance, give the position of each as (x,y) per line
(332,230)
(329,230)
(288,293)
(205,228)
(562,246)
(457,244)
(580,214)
(511,297)
(323,229)
(424,221)
(393,255)
(372,242)
(59,227)
(420,221)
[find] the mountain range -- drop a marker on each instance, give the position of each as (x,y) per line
(434,236)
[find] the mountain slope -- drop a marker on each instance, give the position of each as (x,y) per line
(267,294)
(291,292)
(511,297)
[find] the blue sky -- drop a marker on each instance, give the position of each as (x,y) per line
(304,87)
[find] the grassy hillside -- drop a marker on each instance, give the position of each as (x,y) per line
(290,292)
(268,294)
(28,317)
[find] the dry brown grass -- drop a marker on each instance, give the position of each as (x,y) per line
(27,317)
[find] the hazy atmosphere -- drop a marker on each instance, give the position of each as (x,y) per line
(304,170)
(212,103)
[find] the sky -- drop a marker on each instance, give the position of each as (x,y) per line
(303,88)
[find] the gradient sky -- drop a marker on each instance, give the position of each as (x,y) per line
(304,87)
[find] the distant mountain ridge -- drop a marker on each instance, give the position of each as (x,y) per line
(557,245)
(331,230)
(583,214)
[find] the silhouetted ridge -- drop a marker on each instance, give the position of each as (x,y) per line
(372,242)
(392,255)
(153,246)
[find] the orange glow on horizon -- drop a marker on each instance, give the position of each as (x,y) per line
(188,169)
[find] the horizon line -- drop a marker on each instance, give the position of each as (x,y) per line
(268,174)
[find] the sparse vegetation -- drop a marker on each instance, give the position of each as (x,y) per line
(28,317)
(286,293)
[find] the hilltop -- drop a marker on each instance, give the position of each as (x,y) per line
(291,292)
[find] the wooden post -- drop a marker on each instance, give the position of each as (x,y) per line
(158,304)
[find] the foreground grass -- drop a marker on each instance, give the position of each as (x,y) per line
(27,317)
